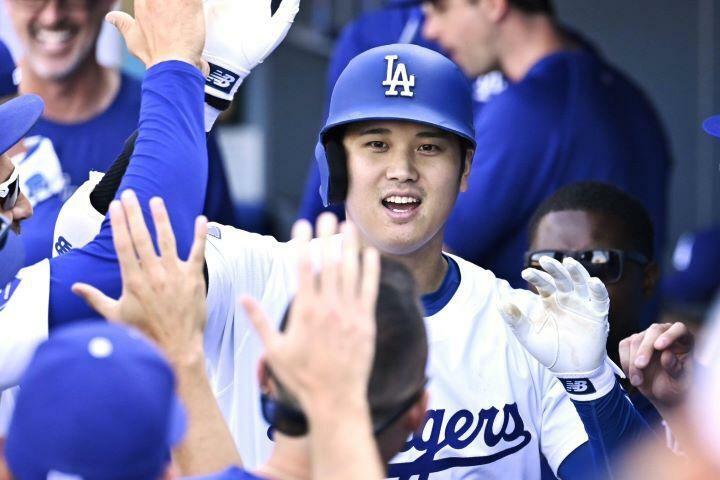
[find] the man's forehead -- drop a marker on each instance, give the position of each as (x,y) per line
(577,230)
(388,127)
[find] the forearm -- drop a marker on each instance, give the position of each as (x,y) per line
(342,443)
(611,422)
(169,161)
(208,446)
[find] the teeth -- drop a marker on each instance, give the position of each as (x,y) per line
(401,200)
(53,36)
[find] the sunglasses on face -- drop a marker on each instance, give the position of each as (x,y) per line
(10,191)
(607,265)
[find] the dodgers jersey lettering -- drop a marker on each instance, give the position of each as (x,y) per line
(493,408)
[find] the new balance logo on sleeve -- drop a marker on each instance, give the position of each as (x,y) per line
(62,246)
(578,386)
(397,76)
(221,79)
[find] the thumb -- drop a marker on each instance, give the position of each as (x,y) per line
(98,301)
(122,21)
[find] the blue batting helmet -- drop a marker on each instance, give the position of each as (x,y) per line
(392,82)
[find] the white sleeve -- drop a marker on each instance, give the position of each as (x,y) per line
(562,430)
(238,263)
(23,320)
(7,407)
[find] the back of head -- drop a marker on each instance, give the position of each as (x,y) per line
(401,350)
(604,199)
(96,402)
(534,6)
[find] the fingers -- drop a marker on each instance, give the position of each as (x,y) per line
(646,348)
(671,364)
(542,281)
(164,231)
(580,277)
(559,274)
(326,228)
(287,10)
(302,234)
(129,266)
(122,21)
(677,336)
(634,373)
(139,232)
(624,351)
(98,301)
(260,321)
(370,279)
(599,298)
(350,262)
(197,252)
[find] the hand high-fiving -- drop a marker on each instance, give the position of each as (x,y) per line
(163,30)
(240,35)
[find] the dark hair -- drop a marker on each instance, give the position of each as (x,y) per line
(534,6)
(401,348)
(605,199)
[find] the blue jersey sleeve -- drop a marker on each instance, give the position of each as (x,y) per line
(169,161)
(611,423)
(219,206)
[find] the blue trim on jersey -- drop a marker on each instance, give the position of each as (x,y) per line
(233,473)
(436,301)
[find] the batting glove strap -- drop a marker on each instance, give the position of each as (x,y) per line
(589,386)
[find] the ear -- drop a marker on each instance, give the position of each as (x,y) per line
(263,375)
(651,277)
(466,170)
(415,416)
(494,10)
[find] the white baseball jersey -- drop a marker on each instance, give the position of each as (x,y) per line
(493,407)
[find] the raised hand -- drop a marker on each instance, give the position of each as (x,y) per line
(658,362)
(163,30)
(162,295)
(567,328)
(240,35)
(325,355)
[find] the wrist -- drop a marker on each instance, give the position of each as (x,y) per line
(588,386)
(193,61)
(327,410)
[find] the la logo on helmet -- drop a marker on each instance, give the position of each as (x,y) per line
(397,76)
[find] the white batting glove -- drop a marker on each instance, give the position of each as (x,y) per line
(240,34)
(567,329)
(78,223)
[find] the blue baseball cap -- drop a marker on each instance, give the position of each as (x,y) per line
(712,126)
(17,117)
(7,72)
(12,252)
(97,402)
(695,278)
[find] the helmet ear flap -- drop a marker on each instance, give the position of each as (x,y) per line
(337,163)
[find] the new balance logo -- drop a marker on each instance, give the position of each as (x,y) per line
(222,79)
(578,386)
(62,246)
(397,76)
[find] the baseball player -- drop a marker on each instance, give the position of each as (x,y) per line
(397,148)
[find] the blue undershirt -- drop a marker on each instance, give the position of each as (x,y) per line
(170,161)
(93,145)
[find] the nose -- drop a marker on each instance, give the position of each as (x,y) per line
(402,168)
(51,13)
(21,211)
(430,30)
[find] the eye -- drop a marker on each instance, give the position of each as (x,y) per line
(428,148)
(377,145)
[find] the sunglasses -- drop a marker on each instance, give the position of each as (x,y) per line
(607,265)
(293,423)
(5,227)
(10,190)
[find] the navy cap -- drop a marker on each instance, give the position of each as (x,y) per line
(97,402)
(7,72)
(696,277)
(17,117)
(12,252)
(712,126)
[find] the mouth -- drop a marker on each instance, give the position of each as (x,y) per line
(401,207)
(54,40)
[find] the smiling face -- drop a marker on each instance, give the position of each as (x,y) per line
(403,179)
(466,31)
(57,36)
